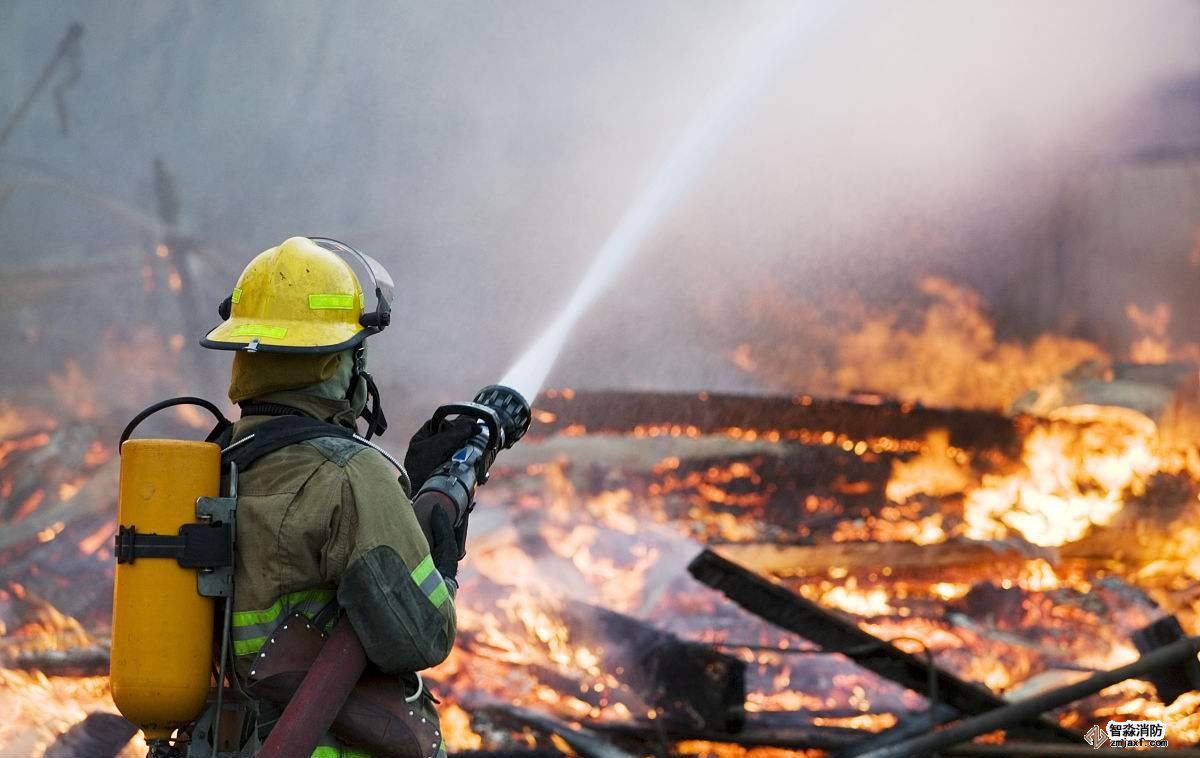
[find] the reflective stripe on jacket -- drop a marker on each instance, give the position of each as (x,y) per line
(329,518)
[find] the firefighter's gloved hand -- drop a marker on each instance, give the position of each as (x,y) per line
(439,533)
(429,449)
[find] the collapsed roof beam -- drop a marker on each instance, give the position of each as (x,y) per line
(787,610)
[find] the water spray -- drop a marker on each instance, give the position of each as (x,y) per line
(669,185)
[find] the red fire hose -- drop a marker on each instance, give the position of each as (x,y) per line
(328,683)
(321,695)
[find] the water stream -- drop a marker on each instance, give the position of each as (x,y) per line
(670,184)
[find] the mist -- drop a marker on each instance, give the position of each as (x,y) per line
(484,152)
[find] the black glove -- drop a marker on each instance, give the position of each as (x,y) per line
(429,449)
(439,533)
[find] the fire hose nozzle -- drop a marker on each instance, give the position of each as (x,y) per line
(503,416)
(512,408)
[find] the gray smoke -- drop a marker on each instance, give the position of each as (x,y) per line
(485,151)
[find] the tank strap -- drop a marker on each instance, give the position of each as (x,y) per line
(276,434)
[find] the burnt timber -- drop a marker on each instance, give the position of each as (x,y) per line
(611,412)
(789,611)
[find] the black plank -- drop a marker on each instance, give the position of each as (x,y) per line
(789,611)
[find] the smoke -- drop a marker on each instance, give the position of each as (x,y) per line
(485,151)
(670,184)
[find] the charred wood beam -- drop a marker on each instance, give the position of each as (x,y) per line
(770,558)
(690,685)
(584,741)
(1015,713)
(100,735)
(910,726)
(789,611)
(1169,683)
(95,497)
(84,661)
(620,412)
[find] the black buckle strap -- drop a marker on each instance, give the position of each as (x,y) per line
(198,546)
(277,433)
(268,409)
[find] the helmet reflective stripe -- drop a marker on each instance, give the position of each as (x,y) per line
(259,330)
(250,629)
(334,302)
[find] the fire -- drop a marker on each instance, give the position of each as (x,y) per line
(30,504)
(456,729)
(937,471)
(869,722)
(46,628)
(1075,474)
(76,389)
(1182,718)
(703,749)
(97,454)
(24,443)
(50,532)
(15,422)
(98,538)
(1153,346)
(1076,471)
(617,535)
(849,598)
(1153,343)
(944,351)
(193,417)
(37,708)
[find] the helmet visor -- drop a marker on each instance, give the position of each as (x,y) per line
(381,280)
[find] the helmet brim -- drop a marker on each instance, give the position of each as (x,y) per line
(297,337)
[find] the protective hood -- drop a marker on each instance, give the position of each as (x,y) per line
(340,378)
(258,374)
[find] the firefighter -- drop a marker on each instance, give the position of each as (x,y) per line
(325,526)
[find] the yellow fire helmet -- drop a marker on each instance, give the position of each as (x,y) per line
(302,296)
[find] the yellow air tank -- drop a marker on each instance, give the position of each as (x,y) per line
(162,635)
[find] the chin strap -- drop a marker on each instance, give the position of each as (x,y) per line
(372,411)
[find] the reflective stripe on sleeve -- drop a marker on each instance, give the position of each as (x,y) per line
(430,581)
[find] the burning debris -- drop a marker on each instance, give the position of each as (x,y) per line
(1014,554)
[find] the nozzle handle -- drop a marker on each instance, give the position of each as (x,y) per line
(477,411)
